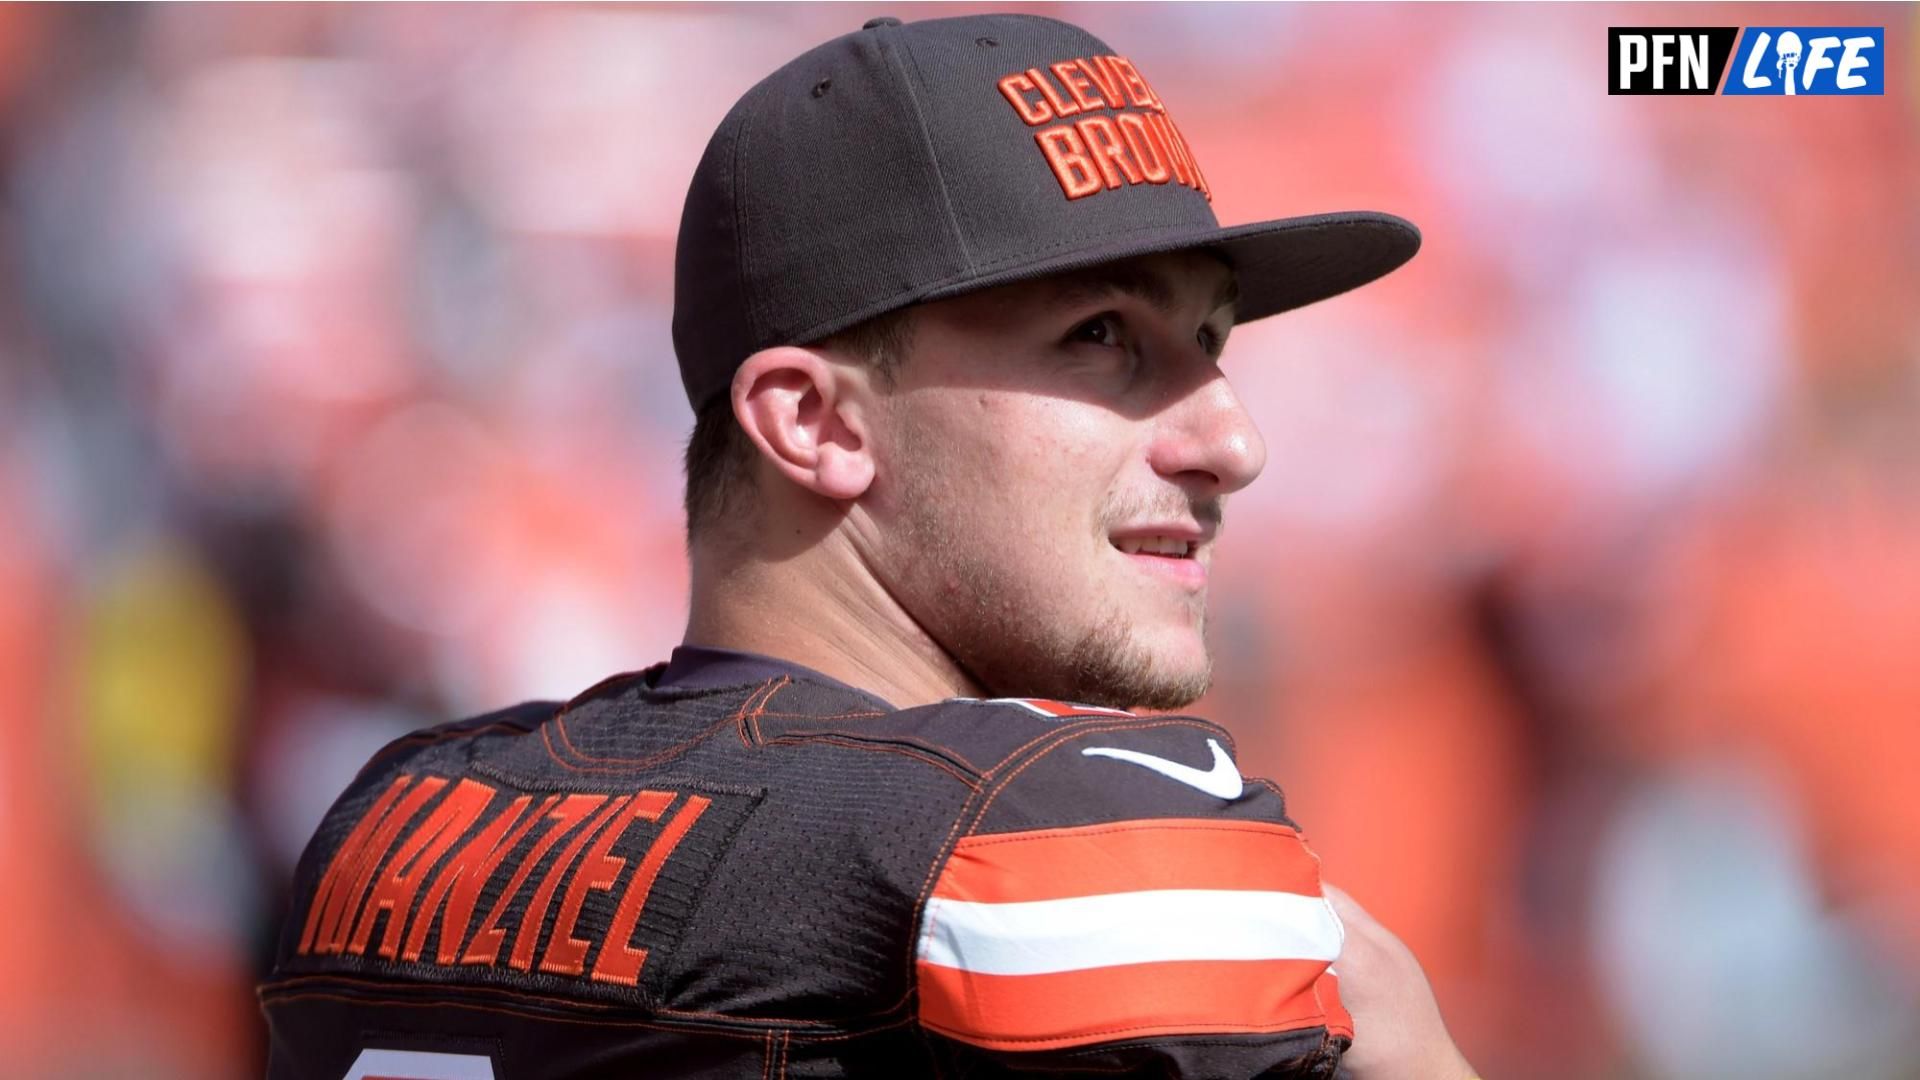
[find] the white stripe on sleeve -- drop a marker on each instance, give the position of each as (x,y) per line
(1044,936)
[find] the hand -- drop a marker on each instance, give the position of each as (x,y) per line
(1397,1030)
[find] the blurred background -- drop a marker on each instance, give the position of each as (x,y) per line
(1578,611)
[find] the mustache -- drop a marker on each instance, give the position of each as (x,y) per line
(1209,512)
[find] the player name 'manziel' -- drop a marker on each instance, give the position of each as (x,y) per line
(613,843)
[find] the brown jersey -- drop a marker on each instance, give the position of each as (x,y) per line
(788,879)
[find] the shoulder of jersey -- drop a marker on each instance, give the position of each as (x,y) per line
(1089,762)
(1116,877)
(984,736)
(407,750)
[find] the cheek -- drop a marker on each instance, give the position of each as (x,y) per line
(983,448)
(1068,451)
(1028,476)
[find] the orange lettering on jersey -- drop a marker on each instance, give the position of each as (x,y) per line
(333,882)
(1015,88)
(573,809)
(619,961)
(1061,106)
(461,880)
(530,921)
(1152,160)
(566,954)
(1067,155)
(1077,84)
(337,922)
(393,893)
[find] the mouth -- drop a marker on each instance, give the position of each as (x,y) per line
(1165,555)
(1160,547)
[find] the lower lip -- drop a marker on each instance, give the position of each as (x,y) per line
(1188,572)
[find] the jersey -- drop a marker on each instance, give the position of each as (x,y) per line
(786,879)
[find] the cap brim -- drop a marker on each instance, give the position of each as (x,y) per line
(1280,265)
(1292,262)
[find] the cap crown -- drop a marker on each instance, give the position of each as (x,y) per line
(902,163)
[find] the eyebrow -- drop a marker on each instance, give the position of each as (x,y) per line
(1148,286)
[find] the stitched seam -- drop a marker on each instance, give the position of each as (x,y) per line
(1321,1006)
(742,247)
(1301,1022)
(273,992)
(926,141)
(434,738)
(989,839)
(945,752)
(602,687)
(613,764)
(1117,723)
(942,855)
(843,1036)
(443,1003)
(759,733)
(822,1027)
(428,737)
(744,719)
(1282,797)
(879,748)
(464,988)
(1074,733)
(546,739)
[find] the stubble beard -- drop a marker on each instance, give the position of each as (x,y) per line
(1017,644)
(1108,667)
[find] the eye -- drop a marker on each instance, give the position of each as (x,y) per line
(1212,335)
(1103,329)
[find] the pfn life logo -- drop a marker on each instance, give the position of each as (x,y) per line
(1785,60)
(1796,60)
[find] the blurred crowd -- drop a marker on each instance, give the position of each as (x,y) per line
(1578,611)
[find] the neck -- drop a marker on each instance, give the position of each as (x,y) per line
(820,607)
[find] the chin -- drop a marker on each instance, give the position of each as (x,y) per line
(1179,650)
(1132,669)
(1178,681)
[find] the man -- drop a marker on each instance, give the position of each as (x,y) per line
(950,304)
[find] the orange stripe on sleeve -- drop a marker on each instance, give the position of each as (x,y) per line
(1338,1019)
(1074,1008)
(1129,856)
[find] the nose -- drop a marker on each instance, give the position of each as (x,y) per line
(1207,440)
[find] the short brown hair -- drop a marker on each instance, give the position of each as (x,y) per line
(719,456)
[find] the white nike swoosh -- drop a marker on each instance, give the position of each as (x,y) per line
(1222,781)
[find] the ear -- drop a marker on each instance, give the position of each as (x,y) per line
(806,414)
